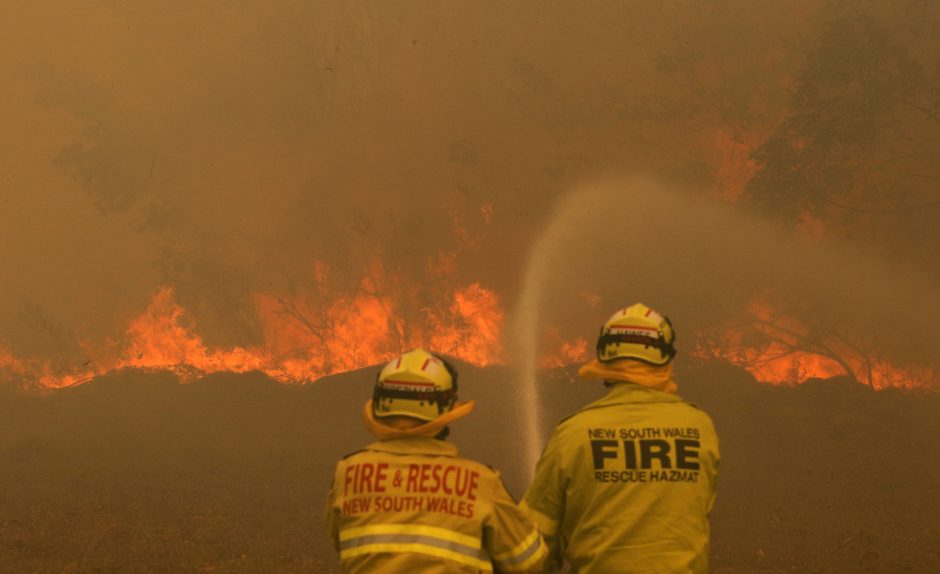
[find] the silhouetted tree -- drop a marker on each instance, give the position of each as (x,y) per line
(859,150)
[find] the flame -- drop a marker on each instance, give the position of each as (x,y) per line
(309,336)
(779,365)
(767,344)
(561,351)
(304,338)
(474,334)
(24,373)
(568,353)
(365,330)
(160,339)
(775,355)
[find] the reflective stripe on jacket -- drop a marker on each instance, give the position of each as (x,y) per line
(412,505)
(626,483)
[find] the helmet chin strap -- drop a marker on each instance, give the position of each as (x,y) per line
(429,429)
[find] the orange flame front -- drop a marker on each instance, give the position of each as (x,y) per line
(779,354)
(356,332)
(565,352)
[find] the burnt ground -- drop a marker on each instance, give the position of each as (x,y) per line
(136,473)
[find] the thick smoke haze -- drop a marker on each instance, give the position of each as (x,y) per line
(632,239)
(239,194)
(225,148)
(639,239)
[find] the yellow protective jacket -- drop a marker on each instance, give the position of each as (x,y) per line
(626,483)
(411,505)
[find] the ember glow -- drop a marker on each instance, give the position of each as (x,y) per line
(770,360)
(781,350)
(353,332)
(305,339)
(366,330)
(779,365)
(565,352)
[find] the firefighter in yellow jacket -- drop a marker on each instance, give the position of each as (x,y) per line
(626,483)
(407,503)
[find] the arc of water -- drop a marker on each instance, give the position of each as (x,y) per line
(526,331)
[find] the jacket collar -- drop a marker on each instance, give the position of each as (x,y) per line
(415,445)
(622,393)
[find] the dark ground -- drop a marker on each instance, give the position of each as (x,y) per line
(136,473)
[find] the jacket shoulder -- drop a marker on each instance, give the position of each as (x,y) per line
(569,421)
(481,467)
(695,409)
(567,418)
(353,453)
(576,418)
(687,403)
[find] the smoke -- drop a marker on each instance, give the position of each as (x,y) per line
(224,150)
(641,239)
(638,239)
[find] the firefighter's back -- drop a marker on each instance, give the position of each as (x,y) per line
(626,483)
(408,503)
(642,480)
(413,505)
